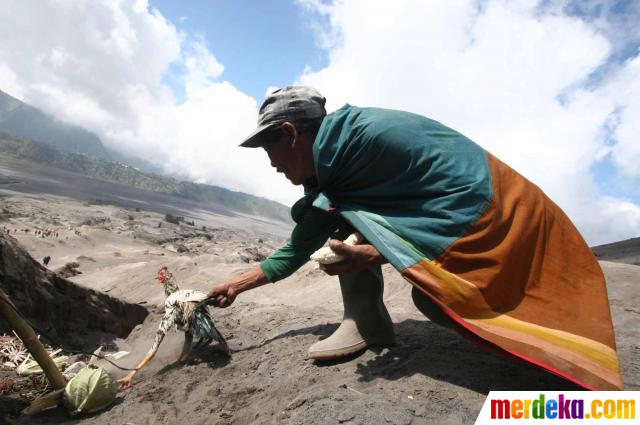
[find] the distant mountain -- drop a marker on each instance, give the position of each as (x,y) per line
(135,162)
(627,251)
(118,173)
(24,121)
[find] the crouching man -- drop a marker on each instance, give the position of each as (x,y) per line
(487,252)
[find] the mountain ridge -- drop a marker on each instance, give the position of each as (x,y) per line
(23,120)
(625,251)
(115,172)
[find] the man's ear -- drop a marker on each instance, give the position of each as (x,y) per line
(291,131)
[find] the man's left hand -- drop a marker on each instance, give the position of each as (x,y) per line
(357,258)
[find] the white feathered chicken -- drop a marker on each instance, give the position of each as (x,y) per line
(183,309)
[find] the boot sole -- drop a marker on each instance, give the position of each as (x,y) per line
(337,353)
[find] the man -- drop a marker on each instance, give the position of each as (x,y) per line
(486,251)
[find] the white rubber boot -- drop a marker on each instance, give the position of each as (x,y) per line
(366,320)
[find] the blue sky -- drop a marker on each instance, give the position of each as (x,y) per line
(551,87)
(260,43)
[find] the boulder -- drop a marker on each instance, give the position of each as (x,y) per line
(71,314)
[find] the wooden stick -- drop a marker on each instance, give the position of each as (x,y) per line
(31,342)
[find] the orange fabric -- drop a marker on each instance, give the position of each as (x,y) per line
(524,279)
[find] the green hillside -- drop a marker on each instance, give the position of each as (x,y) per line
(22,120)
(118,173)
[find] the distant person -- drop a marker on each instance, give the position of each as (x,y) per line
(487,252)
(46,260)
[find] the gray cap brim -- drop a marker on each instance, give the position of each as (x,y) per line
(255,139)
(290,103)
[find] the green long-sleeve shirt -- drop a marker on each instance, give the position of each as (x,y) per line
(311,232)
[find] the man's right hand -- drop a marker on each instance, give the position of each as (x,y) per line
(222,295)
(225,293)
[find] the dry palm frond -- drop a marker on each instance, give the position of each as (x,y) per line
(32,367)
(13,352)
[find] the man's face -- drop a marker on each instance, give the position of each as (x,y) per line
(286,158)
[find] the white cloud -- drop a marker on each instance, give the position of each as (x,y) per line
(615,219)
(100,64)
(510,75)
(624,90)
(617,20)
(202,67)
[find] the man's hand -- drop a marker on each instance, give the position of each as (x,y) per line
(357,258)
(225,293)
(222,295)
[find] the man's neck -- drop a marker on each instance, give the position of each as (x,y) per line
(310,184)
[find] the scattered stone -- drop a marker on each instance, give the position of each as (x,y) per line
(345,416)
(95,221)
(253,254)
(179,248)
(297,402)
(420,411)
(69,270)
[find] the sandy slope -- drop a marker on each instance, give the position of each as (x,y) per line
(621,252)
(431,376)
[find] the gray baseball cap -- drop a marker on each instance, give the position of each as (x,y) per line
(290,103)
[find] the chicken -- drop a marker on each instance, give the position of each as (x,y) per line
(183,309)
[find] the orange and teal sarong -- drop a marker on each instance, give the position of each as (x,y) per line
(477,238)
